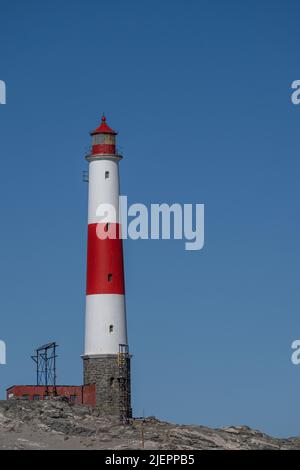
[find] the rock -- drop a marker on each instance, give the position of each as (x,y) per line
(57,424)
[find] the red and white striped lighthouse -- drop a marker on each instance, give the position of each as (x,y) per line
(106,358)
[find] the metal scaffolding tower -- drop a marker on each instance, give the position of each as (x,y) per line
(45,359)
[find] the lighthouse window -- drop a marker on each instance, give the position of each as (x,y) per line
(111,328)
(109,277)
(106,175)
(98,139)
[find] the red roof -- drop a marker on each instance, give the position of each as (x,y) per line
(103,128)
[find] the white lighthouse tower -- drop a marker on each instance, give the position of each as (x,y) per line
(106,356)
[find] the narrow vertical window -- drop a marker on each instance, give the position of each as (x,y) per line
(111,328)
(109,277)
(106,175)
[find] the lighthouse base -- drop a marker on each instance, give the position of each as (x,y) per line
(111,375)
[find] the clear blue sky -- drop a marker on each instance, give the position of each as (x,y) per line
(200,94)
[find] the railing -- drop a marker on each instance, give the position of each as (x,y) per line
(88,151)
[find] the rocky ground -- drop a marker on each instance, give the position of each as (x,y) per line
(55,424)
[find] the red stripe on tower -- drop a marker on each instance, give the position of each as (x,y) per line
(105,269)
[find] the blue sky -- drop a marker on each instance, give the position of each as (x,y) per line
(200,93)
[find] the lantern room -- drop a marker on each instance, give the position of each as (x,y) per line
(103,139)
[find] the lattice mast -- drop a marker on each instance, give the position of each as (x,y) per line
(45,359)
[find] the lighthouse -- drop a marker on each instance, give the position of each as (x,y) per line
(106,359)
